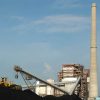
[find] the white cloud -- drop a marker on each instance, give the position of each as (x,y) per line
(55,24)
(63,23)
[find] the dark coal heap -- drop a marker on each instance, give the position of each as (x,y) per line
(11,94)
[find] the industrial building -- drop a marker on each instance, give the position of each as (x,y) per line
(67,77)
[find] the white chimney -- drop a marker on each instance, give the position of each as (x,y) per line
(93,88)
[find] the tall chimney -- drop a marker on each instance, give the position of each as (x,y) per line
(93,88)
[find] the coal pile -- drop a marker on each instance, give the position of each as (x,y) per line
(12,94)
(64,97)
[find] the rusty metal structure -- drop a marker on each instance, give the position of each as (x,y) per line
(70,70)
(73,71)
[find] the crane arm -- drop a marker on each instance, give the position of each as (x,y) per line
(18,69)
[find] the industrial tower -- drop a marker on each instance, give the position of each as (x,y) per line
(93,88)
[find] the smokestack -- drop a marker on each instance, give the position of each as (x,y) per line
(93,89)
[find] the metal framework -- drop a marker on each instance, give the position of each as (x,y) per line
(30,76)
(24,73)
(76,70)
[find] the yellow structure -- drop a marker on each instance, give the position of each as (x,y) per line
(5,82)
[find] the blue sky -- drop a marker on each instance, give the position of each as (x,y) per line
(41,35)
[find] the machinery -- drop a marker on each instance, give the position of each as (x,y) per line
(4,82)
(27,77)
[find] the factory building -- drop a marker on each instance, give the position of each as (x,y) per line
(67,77)
(70,74)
